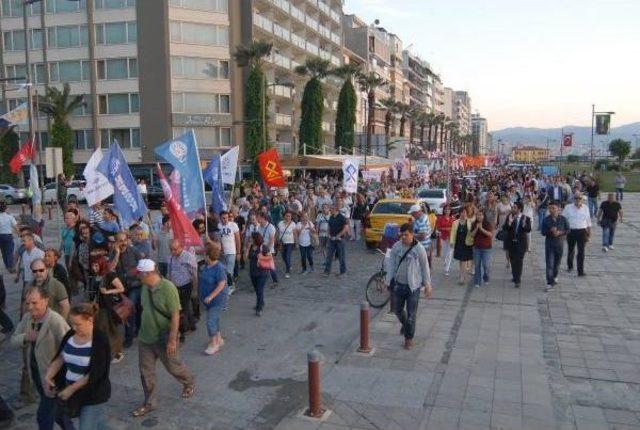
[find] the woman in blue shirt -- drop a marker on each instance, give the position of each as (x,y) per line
(212,283)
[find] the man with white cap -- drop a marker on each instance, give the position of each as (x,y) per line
(158,336)
(579,218)
(421,226)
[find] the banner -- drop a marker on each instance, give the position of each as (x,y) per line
(350,175)
(213,176)
(126,199)
(229,165)
(271,169)
(182,154)
(374,175)
(26,152)
(603,120)
(175,182)
(567,139)
(98,186)
(34,186)
(422,171)
(180,224)
(16,117)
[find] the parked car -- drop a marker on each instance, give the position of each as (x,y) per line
(384,212)
(11,194)
(436,198)
(74,190)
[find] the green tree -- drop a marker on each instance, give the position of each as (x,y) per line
(573,158)
(403,111)
(620,148)
(59,105)
(347,105)
(256,132)
(369,84)
(9,145)
(312,105)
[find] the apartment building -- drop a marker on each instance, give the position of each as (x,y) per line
(298,29)
(418,74)
(479,131)
(462,111)
(439,104)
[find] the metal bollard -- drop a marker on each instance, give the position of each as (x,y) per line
(315,397)
(364,328)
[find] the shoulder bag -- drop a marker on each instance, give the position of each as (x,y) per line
(392,284)
(164,336)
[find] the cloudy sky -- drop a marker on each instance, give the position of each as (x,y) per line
(538,63)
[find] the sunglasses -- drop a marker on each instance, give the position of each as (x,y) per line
(38,270)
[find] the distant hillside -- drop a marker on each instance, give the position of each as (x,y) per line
(520,136)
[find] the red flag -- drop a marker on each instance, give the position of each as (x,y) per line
(271,169)
(567,139)
(27,152)
(175,182)
(182,228)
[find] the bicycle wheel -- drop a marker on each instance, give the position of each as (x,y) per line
(377,292)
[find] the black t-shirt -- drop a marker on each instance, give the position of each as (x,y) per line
(336,224)
(593,190)
(610,210)
(240,221)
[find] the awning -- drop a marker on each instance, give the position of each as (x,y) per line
(331,162)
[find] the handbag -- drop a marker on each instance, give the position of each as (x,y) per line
(266,262)
(124,308)
(164,335)
(502,235)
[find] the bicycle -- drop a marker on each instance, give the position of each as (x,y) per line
(376,292)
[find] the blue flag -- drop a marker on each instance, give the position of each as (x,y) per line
(126,198)
(213,175)
(182,154)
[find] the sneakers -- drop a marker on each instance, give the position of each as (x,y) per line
(611,248)
(549,287)
(212,350)
(477,286)
(446,273)
(232,289)
(605,249)
(287,276)
(117,358)
(304,272)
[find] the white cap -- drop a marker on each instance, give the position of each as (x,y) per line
(146,265)
(415,208)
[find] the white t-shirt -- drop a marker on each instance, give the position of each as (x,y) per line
(304,233)
(285,232)
(7,222)
(322,221)
(227,237)
(268,233)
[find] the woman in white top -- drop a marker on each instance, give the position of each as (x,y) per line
(8,226)
(529,208)
(504,209)
(305,231)
(286,240)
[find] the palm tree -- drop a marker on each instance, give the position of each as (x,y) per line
(347,105)
(369,84)
(414,114)
(59,105)
(403,111)
(391,108)
(252,56)
(312,105)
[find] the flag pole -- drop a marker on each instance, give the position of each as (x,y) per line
(204,195)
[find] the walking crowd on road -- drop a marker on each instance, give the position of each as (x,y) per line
(104,289)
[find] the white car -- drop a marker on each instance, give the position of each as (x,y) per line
(436,198)
(74,190)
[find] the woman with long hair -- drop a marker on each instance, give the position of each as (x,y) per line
(462,244)
(482,232)
(110,287)
(259,258)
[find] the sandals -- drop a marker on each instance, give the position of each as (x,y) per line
(187,391)
(142,411)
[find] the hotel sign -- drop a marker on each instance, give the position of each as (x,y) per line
(200,120)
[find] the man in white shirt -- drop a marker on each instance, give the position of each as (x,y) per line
(230,239)
(577,214)
(30,253)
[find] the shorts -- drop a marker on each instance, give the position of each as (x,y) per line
(213,314)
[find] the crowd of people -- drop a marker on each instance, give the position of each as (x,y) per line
(84,303)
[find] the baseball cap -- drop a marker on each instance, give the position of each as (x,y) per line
(146,265)
(414,208)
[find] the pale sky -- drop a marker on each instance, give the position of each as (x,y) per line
(533,63)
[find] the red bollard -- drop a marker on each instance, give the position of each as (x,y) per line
(49,212)
(315,397)
(364,328)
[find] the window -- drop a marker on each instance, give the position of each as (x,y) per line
(62,6)
(117,68)
(208,137)
(200,103)
(199,34)
(14,40)
(207,5)
(199,68)
(69,71)
(115,33)
(68,36)
(114,4)
(126,137)
(117,104)
(84,139)
(86,109)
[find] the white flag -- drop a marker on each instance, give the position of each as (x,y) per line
(350,175)
(229,165)
(34,188)
(98,186)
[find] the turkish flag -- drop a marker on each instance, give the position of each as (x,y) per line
(567,139)
(271,169)
(182,228)
(27,152)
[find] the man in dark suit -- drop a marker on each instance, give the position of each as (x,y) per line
(557,193)
(517,226)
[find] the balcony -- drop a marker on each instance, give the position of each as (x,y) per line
(298,41)
(326,126)
(324,31)
(280,60)
(281,91)
(284,120)
(324,7)
(282,4)
(311,22)
(284,148)
(281,32)
(313,49)
(262,22)
(337,16)
(297,13)
(335,38)
(325,55)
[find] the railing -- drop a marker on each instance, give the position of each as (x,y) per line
(297,13)
(311,22)
(313,48)
(281,90)
(263,22)
(281,32)
(325,55)
(335,38)
(284,148)
(281,60)
(336,61)
(282,4)
(282,119)
(298,41)
(324,31)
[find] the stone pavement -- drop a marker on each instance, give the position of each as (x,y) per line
(495,357)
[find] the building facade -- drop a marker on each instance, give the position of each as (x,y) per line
(462,111)
(529,154)
(479,132)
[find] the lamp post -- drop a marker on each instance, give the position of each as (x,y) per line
(548,150)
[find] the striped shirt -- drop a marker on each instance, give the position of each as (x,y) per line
(422,225)
(76,358)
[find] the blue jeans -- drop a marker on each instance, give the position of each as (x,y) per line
(542,212)
(131,327)
(258,283)
(306,255)
(481,261)
(92,417)
(608,232)
(6,247)
(335,247)
(619,194)
(593,206)
(213,314)
(48,412)
(552,256)
(287,250)
(403,296)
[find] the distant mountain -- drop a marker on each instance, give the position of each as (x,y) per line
(521,136)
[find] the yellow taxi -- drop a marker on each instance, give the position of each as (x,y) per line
(386,211)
